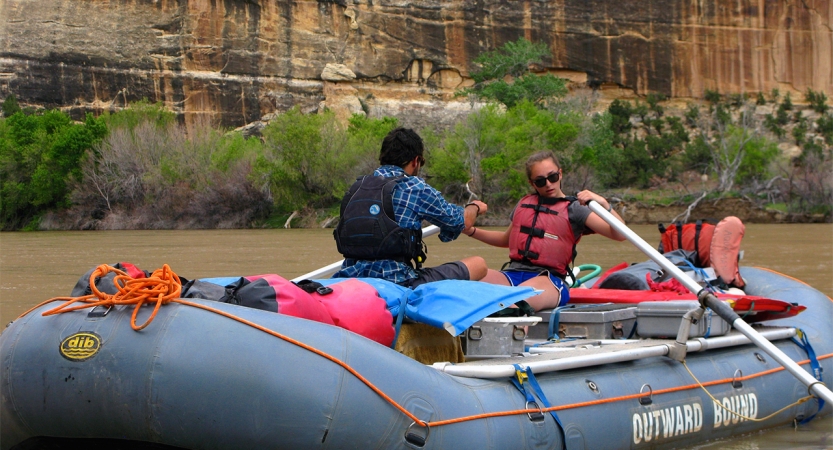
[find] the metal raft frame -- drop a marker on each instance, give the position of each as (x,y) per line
(593,352)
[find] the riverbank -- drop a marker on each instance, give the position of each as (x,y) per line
(634,212)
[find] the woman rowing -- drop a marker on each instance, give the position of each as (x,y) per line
(546,226)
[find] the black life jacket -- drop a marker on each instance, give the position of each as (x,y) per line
(368,229)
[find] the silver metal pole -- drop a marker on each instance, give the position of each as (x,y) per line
(326,271)
(495,370)
(723,310)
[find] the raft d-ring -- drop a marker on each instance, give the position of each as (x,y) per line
(810,388)
(537,416)
(736,383)
(647,400)
(414,438)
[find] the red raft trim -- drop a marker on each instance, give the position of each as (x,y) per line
(764,308)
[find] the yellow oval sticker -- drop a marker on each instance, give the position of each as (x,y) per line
(80,346)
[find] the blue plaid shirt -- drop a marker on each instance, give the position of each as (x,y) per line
(413,201)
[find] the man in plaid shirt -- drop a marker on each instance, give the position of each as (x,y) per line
(414,201)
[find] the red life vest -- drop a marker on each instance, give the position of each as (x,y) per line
(691,236)
(541,233)
(717,246)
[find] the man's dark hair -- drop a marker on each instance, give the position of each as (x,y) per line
(400,147)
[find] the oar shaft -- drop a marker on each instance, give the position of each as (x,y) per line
(326,271)
(640,243)
(722,309)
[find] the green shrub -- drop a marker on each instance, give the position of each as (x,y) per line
(140,112)
(737,100)
(817,100)
(799,132)
(513,59)
(306,161)
(639,165)
(760,100)
(771,123)
(787,104)
(653,102)
(692,115)
(10,106)
(825,127)
(620,115)
(713,97)
(39,155)
(697,156)
(677,128)
(757,159)
(488,149)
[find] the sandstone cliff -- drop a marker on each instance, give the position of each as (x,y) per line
(237,60)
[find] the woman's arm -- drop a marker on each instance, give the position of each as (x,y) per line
(596,223)
(495,238)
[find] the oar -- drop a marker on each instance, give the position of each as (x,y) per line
(326,271)
(722,309)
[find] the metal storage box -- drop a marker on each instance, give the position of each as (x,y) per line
(496,337)
(589,322)
(662,319)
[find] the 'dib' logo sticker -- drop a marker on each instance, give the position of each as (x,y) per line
(374,209)
(80,346)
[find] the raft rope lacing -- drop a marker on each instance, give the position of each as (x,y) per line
(164,286)
(717,402)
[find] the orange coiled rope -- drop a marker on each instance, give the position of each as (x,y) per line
(160,288)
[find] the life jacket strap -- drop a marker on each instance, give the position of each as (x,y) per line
(536,232)
(540,209)
(529,254)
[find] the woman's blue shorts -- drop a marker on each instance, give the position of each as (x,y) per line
(516,277)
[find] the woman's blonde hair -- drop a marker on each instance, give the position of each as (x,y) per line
(538,157)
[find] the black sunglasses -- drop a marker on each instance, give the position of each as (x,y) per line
(421,161)
(552,178)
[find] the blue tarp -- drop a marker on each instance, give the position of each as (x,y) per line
(453,305)
(450,304)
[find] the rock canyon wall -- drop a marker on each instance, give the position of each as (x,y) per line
(234,61)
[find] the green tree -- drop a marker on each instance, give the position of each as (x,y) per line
(825,127)
(513,60)
(597,149)
(817,100)
(692,115)
(486,151)
(10,106)
(39,155)
(738,152)
(306,161)
(620,119)
(713,97)
(760,100)
(364,139)
(787,104)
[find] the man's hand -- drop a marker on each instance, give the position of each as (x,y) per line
(472,210)
(480,206)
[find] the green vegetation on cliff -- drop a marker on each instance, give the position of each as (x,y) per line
(140,168)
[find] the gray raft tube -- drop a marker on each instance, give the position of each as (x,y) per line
(196,380)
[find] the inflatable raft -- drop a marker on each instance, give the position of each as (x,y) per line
(235,377)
